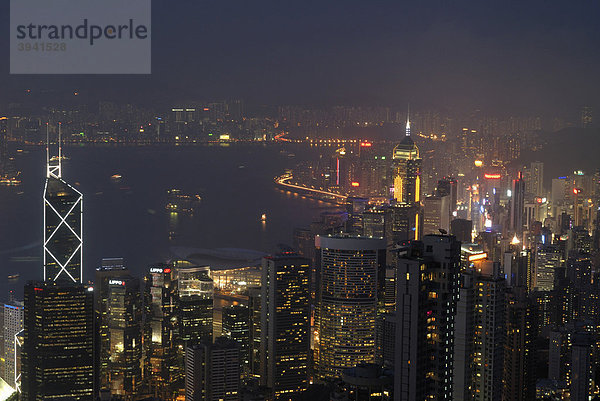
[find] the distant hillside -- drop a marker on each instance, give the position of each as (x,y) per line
(567,150)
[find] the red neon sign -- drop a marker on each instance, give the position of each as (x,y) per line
(366,144)
(167,270)
(492,176)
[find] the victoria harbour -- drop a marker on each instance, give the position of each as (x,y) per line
(128,218)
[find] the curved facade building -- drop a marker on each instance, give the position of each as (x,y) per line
(351,275)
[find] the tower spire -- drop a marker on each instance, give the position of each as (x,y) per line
(54,163)
(408,121)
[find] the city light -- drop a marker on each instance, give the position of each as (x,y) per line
(478,256)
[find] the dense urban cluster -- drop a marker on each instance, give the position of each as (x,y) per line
(450,270)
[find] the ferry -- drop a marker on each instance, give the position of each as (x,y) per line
(263,217)
(179,202)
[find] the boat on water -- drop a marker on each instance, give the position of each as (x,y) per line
(9,175)
(57,158)
(116,178)
(14,276)
(263,217)
(178,202)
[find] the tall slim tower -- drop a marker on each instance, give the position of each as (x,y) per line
(517,205)
(285,326)
(58,325)
(406,170)
(63,222)
(428,286)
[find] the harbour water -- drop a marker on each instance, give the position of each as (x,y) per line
(127,217)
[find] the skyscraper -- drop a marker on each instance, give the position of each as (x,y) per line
(123,318)
(428,284)
(436,214)
(161,368)
(352,277)
(195,303)
(58,351)
(111,269)
(406,170)
(488,333)
(236,326)
(581,367)
(517,205)
(212,371)
(63,223)
(58,354)
(285,324)
(519,352)
(13,324)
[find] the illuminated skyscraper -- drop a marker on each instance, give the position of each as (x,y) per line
(58,351)
(352,276)
(285,324)
(236,326)
(428,285)
(195,304)
(517,205)
(58,354)
(13,324)
(123,318)
(63,224)
(161,368)
(406,170)
(111,269)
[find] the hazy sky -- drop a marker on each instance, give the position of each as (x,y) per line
(509,56)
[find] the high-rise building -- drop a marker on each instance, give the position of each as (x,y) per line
(581,367)
(448,186)
(58,354)
(236,326)
(212,371)
(63,224)
(464,338)
(461,229)
(428,285)
(517,205)
(352,277)
(548,259)
(285,324)
(535,185)
(13,324)
(488,332)
(123,319)
(254,316)
(162,370)
(406,170)
(436,214)
(110,269)
(519,350)
(195,298)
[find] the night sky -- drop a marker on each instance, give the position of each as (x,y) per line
(506,57)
